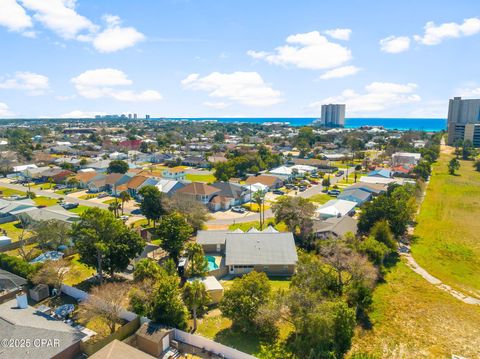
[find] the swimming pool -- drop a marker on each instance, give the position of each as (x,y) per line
(52,255)
(212,265)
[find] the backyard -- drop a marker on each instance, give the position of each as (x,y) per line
(447,234)
(206,178)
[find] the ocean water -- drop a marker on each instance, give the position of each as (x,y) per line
(424,124)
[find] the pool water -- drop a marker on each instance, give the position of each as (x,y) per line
(212,265)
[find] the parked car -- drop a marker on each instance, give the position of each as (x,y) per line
(314,182)
(124,218)
(314,175)
(302,188)
(102,195)
(69,205)
(339,173)
(277,191)
(334,192)
(238,209)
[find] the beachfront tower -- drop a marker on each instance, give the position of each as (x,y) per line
(333,115)
(464,121)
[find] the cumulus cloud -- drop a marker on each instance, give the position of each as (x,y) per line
(246,88)
(115,37)
(378,96)
(4,110)
(309,50)
(339,34)
(14,17)
(468,91)
(101,83)
(81,114)
(34,84)
(435,34)
(60,16)
(395,44)
(340,72)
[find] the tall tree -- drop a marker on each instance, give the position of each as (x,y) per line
(259,199)
(52,233)
(174,232)
(124,197)
(151,204)
(117,166)
(196,298)
(453,166)
(53,273)
(198,264)
(194,212)
(105,243)
(147,269)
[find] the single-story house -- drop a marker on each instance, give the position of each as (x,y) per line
(58,175)
(405,158)
(355,195)
(374,188)
(169,187)
(256,187)
(9,209)
(336,208)
(195,161)
(47,213)
(335,227)
(199,191)
(381,172)
(266,251)
(272,182)
(376,180)
(19,320)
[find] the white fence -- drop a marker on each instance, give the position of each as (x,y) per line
(210,345)
(80,295)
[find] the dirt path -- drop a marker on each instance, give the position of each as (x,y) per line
(413,265)
(437,282)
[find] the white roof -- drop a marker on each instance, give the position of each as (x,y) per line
(165,185)
(283,170)
(23,167)
(415,155)
(380,180)
(304,168)
(210,282)
(336,208)
(258,187)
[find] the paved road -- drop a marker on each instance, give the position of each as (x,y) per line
(67,198)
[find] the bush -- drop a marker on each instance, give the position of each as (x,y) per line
(18,266)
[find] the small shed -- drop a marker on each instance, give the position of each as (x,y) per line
(213,287)
(4,241)
(153,339)
(39,292)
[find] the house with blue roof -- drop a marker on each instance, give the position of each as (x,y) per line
(355,195)
(382,172)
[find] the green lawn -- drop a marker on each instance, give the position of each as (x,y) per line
(78,271)
(448,230)
(45,201)
(281,227)
(7,192)
(320,198)
(13,229)
(112,200)
(206,178)
(66,191)
(411,318)
(79,210)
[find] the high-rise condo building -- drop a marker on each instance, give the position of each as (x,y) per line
(333,115)
(464,121)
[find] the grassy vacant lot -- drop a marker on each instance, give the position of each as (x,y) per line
(448,229)
(78,271)
(45,201)
(207,178)
(413,319)
(281,227)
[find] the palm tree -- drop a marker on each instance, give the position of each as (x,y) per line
(259,198)
(195,296)
(124,197)
(114,207)
(194,253)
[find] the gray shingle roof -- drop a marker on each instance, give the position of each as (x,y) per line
(260,249)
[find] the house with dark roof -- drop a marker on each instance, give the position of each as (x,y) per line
(230,195)
(334,227)
(374,188)
(355,195)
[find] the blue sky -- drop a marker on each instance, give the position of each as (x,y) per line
(236,58)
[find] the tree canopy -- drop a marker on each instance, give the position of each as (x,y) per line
(117,166)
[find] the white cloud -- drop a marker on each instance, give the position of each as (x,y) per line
(115,37)
(470,91)
(246,88)
(395,44)
(100,83)
(339,34)
(13,16)
(34,84)
(217,105)
(340,72)
(60,16)
(307,51)
(81,114)
(435,34)
(4,111)
(378,96)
